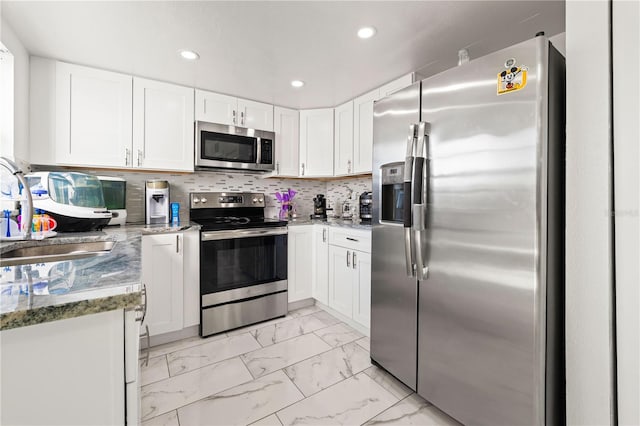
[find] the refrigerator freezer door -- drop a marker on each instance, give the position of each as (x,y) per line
(479,347)
(393,292)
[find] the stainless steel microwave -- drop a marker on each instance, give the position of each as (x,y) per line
(222,146)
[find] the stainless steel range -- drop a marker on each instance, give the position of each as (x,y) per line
(243,261)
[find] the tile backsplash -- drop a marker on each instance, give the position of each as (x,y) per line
(182,184)
(348,188)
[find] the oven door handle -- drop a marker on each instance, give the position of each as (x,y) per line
(242,233)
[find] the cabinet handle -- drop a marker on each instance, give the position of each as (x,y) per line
(349,166)
(353,262)
(277,167)
(348,259)
(241,118)
(177,243)
(143,307)
(234,116)
(126,156)
(324,235)
(140,157)
(205,107)
(148,350)
(302,169)
(352,239)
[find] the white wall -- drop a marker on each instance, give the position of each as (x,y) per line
(626,136)
(559,41)
(21,91)
(588,249)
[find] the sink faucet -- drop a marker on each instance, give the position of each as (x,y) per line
(17,172)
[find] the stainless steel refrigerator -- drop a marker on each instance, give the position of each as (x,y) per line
(467,296)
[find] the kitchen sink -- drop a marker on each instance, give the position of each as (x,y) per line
(55,252)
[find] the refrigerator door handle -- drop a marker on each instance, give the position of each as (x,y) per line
(420,197)
(409,246)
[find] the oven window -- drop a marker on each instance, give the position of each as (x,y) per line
(223,147)
(241,262)
(392,202)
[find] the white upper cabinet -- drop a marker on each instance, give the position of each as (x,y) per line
(162,126)
(224,109)
(343,139)
(216,108)
(286,126)
(395,85)
(255,115)
(316,142)
(92,117)
(363,132)
(83,116)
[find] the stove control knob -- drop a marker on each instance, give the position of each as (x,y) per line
(203,200)
(196,200)
(255,200)
(220,199)
(260,200)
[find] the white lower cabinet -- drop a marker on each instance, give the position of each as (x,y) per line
(340,280)
(67,372)
(300,261)
(350,274)
(163,276)
(191,263)
(362,288)
(320,290)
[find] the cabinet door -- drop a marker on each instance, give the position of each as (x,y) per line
(316,142)
(320,290)
(300,262)
(363,132)
(343,139)
(362,288)
(216,108)
(341,280)
(93,117)
(286,127)
(395,85)
(162,125)
(255,115)
(162,273)
(78,359)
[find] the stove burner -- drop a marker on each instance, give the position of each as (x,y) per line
(231,219)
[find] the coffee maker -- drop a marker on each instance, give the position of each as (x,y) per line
(156,201)
(365,207)
(319,207)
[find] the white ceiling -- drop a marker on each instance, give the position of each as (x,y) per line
(254,49)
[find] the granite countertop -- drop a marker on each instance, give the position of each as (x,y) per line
(341,223)
(72,288)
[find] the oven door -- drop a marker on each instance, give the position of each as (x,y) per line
(240,259)
(232,147)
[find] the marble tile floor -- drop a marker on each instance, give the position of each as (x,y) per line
(305,368)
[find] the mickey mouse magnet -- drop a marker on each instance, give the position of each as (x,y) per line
(513,78)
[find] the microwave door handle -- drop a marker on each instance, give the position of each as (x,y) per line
(409,248)
(420,199)
(259,151)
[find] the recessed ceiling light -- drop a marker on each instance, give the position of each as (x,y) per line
(366,32)
(189,55)
(297,83)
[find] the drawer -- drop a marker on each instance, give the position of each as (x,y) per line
(350,238)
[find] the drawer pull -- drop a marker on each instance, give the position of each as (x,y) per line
(352,239)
